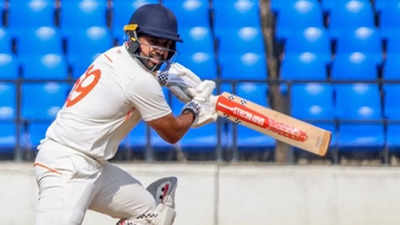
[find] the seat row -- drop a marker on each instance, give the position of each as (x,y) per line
(339,15)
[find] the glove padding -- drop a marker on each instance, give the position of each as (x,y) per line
(203,103)
(178,79)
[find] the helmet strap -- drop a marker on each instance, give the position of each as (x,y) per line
(133,47)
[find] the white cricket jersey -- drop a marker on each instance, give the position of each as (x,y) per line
(107,101)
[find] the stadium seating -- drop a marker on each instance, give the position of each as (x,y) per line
(391,106)
(35,131)
(201,63)
(361,137)
(5,41)
(298,15)
(311,39)
(240,40)
(8,66)
(393,137)
(7,137)
(41,40)
(80,14)
(393,44)
(195,39)
(354,66)
(202,139)
(349,14)
(35,13)
(122,12)
(52,97)
(358,102)
(389,14)
(312,101)
(242,12)
(1,12)
(137,138)
(84,45)
(245,66)
(327,5)
(46,66)
(197,51)
(304,66)
(196,10)
(361,39)
(251,140)
(391,69)
(8,106)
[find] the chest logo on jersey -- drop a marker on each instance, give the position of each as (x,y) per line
(83,86)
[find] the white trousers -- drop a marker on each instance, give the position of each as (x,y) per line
(70,183)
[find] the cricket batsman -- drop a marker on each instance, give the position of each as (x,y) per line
(121,87)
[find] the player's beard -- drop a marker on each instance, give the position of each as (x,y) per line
(154,60)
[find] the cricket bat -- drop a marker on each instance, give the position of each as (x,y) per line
(273,123)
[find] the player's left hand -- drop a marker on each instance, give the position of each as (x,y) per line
(178,79)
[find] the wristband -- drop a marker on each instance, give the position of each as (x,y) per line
(193,107)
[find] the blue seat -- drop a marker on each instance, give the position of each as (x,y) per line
(122,12)
(304,66)
(31,13)
(327,5)
(46,66)
(202,139)
(195,39)
(89,41)
(240,40)
(358,102)
(255,92)
(393,44)
(7,137)
(137,138)
(85,45)
(389,14)
(354,66)
(190,12)
(349,14)
(80,14)
(361,39)
(36,131)
(52,97)
(311,39)
(7,101)
(393,137)
(245,66)
(361,137)
(391,69)
(391,106)
(252,140)
(242,12)
(41,40)
(297,15)
(201,63)
(1,10)
(8,66)
(5,41)
(80,63)
(312,101)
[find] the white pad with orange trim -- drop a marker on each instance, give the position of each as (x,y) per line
(163,191)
